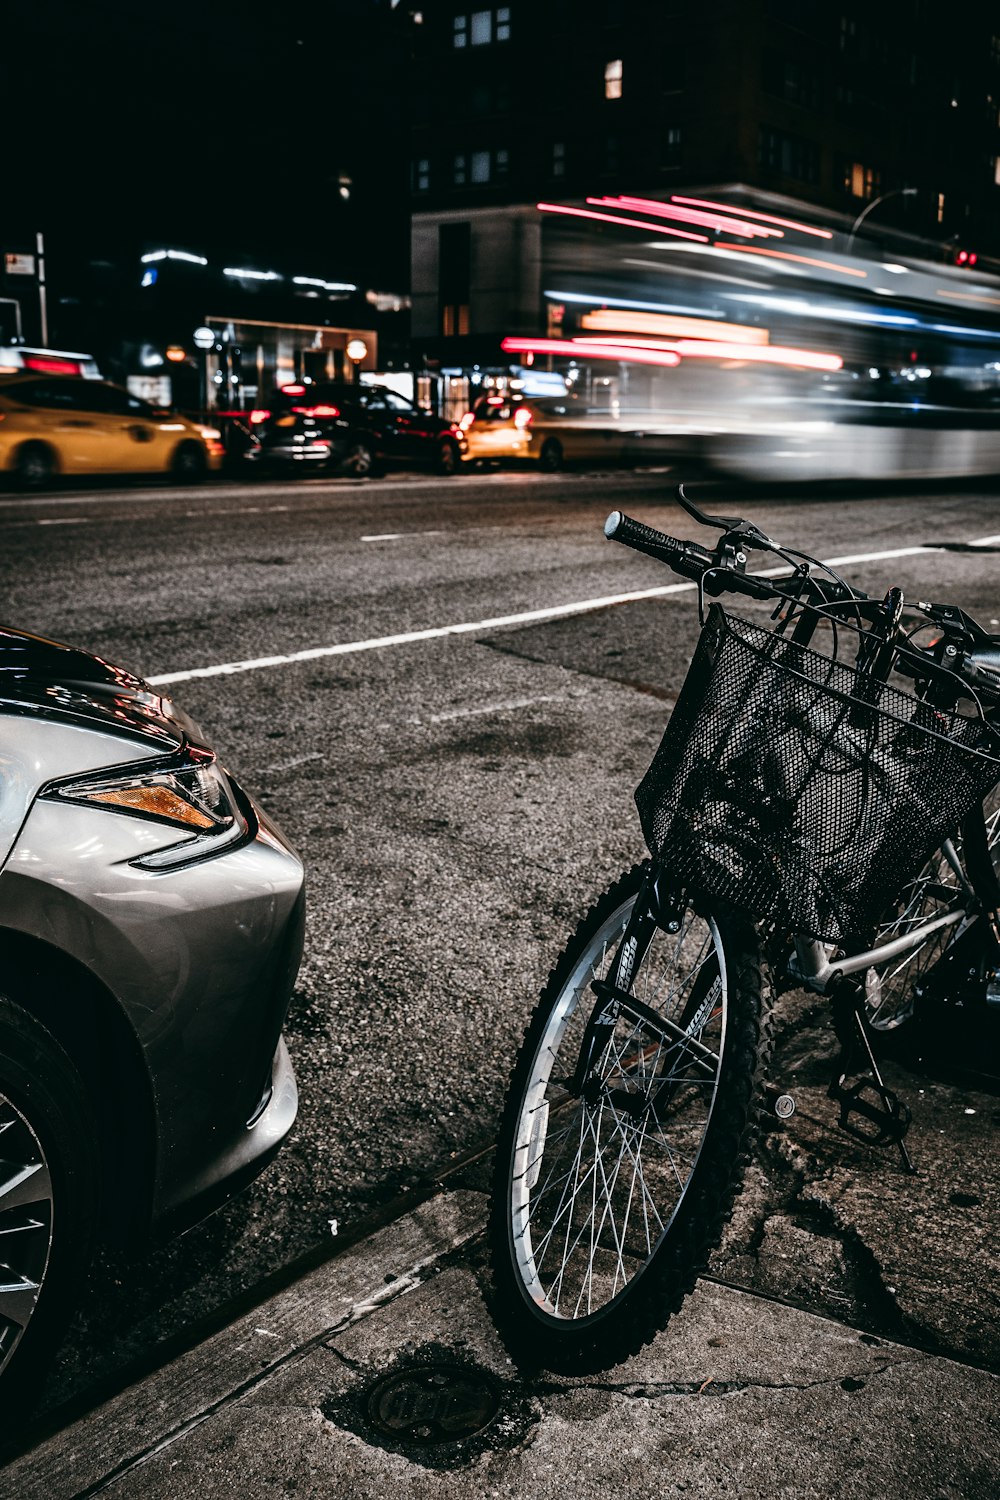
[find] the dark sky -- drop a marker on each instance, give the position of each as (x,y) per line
(211,128)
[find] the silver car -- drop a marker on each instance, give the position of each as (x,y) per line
(151,921)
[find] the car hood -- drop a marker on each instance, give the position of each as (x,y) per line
(38,676)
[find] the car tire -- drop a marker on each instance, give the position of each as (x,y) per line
(35,466)
(49,1187)
(359,462)
(189,465)
(449,459)
(551,457)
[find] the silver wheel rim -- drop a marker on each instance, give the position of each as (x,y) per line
(26,1219)
(593,1192)
(891,990)
(361,460)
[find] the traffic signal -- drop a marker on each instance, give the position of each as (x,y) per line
(965,257)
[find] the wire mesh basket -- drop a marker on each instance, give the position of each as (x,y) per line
(792,786)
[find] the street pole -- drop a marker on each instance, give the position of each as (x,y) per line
(40,250)
(862,216)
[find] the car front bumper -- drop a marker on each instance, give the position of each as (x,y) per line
(200,960)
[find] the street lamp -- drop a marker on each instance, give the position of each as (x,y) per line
(356,351)
(862,216)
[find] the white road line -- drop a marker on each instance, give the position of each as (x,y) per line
(498,622)
(395,536)
(63,521)
(407,638)
(509,705)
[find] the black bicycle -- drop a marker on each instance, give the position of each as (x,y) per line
(822,808)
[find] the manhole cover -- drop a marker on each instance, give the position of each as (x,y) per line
(433,1403)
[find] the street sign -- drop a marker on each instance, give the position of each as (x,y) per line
(204,338)
(19,265)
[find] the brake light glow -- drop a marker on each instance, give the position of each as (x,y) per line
(467,421)
(317,411)
(293,390)
(522,417)
(259,414)
(45,366)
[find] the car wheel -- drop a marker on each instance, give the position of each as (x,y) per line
(48,1198)
(35,466)
(551,457)
(360,460)
(448,457)
(189,465)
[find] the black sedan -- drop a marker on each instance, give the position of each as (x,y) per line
(351,429)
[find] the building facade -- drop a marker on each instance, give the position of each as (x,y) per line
(832,106)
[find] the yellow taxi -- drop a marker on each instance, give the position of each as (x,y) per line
(547,430)
(60,424)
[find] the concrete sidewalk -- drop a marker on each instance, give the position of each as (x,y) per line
(740,1397)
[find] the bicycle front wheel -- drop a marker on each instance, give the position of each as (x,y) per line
(626,1128)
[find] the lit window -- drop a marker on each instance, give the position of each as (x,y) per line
(480,166)
(482,28)
(502,162)
(559,158)
(460,170)
(460,37)
(613,79)
(422,175)
(940,208)
(996,170)
(671,145)
(861,181)
(503,24)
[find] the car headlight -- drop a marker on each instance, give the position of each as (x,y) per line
(191,791)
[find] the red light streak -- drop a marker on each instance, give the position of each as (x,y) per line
(638,354)
(317,411)
(751,213)
(805,260)
(587,213)
(718,222)
(293,390)
(258,415)
(762,354)
(41,364)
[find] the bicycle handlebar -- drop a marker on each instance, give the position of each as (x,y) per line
(684,557)
(726,566)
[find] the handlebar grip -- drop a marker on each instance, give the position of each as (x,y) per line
(641,538)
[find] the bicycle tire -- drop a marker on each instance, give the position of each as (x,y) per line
(636,1065)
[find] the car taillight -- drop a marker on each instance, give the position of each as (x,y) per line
(317,411)
(258,415)
(522,417)
(467,421)
(293,390)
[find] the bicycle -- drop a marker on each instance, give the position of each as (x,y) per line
(810,823)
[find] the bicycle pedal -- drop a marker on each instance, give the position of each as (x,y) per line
(888,1118)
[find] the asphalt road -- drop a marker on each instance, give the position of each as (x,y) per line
(458,798)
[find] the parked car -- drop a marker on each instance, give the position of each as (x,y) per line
(352,429)
(151,921)
(548,430)
(64,424)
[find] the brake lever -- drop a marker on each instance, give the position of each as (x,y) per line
(746,531)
